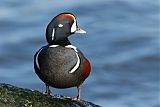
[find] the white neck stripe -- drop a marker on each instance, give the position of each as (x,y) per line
(53,46)
(53,33)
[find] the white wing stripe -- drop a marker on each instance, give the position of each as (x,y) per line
(76,66)
(37,64)
(37,59)
(78,61)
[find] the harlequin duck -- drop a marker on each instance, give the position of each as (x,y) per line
(60,64)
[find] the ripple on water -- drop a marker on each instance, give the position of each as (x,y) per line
(121,44)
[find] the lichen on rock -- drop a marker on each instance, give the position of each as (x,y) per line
(12,96)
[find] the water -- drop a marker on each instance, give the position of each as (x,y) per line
(121,43)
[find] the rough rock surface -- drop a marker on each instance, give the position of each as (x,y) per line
(12,96)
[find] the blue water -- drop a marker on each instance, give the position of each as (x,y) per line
(121,43)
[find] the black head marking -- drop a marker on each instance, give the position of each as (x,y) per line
(60,27)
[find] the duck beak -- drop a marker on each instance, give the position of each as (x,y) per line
(80,31)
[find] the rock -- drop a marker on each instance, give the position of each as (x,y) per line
(12,96)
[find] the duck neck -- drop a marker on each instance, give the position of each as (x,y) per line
(62,42)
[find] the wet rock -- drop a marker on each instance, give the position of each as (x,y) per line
(12,96)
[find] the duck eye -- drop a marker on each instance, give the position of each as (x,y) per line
(69,23)
(60,25)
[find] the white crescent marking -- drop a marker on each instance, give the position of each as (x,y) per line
(74,27)
(78,62)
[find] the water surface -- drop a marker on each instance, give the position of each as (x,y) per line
(121,43)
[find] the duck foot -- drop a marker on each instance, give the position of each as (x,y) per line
(79,92)
(48,91)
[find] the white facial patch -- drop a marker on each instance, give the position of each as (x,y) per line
(60,25)
(74,27)
(53,33)
(78,61)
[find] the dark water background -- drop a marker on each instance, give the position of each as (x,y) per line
(121,43)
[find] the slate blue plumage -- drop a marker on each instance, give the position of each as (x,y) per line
(60,64)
